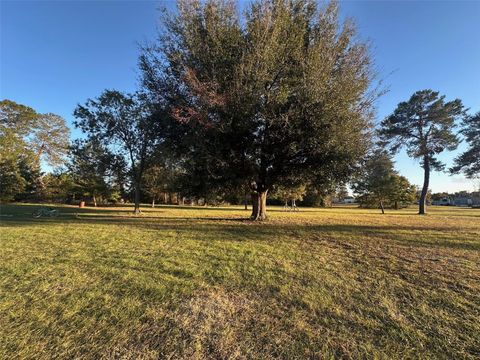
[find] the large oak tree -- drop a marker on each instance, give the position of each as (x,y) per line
(280,96)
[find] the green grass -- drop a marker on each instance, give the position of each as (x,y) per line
(198,283)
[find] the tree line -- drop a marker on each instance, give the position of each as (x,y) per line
(277,101)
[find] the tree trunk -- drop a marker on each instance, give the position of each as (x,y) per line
(94,201)
(259,206)
(153,203)
(426,180)
(246,201)
(396,205)
(382,207)
(137,199)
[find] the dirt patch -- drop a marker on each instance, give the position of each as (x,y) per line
(213,324)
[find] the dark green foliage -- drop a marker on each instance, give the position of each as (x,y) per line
(16,117)
(277,97)
(27,138)
(424,126)
(286,194)
(379,185)
(20,176)
(59,187)
(91,170)
(469,161)
(11,181)
(46,135)
(123,123)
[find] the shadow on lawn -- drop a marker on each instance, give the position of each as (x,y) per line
(241,229)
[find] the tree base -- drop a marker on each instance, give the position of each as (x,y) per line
(258,218)
(259,206)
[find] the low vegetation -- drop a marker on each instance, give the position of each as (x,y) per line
(197,283)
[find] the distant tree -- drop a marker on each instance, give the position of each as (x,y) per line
(50,138)
(428,197)
(379,185)
(90,166)
(424,125)
(372,184)
(17,118)
(27,138)
(122,122)
(59,186)
(11,180)
(402,192)
(19,169)
(469,162)
(279,97)
(155,182)
(33,176)
(47,135)
(341,193)
(290,193)
(440,196)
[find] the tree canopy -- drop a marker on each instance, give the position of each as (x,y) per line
(124,123)
(469,161)
(279,96)
(47,135)
(424,125)
(26,139)
(379,185)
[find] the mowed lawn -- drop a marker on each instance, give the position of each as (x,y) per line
(202,283)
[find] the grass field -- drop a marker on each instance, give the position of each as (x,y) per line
(201,283)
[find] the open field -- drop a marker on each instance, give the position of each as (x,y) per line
(197,283)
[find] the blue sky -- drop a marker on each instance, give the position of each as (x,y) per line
(56,54)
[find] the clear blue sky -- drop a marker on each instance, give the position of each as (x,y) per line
(55,54)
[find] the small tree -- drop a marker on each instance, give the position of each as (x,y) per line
(424,125)
(469,162)
(402,192)
(59,186)
(11,181)
(90,168)
(290,193)
(122,122)
(155,181)
(379,185)
(341,193)
(373,184)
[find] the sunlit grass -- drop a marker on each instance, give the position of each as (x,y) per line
(181,282)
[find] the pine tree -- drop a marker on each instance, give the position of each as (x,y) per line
(424,126)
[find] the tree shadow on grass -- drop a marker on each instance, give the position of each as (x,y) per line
(242,229)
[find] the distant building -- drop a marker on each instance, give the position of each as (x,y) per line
(466,201)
